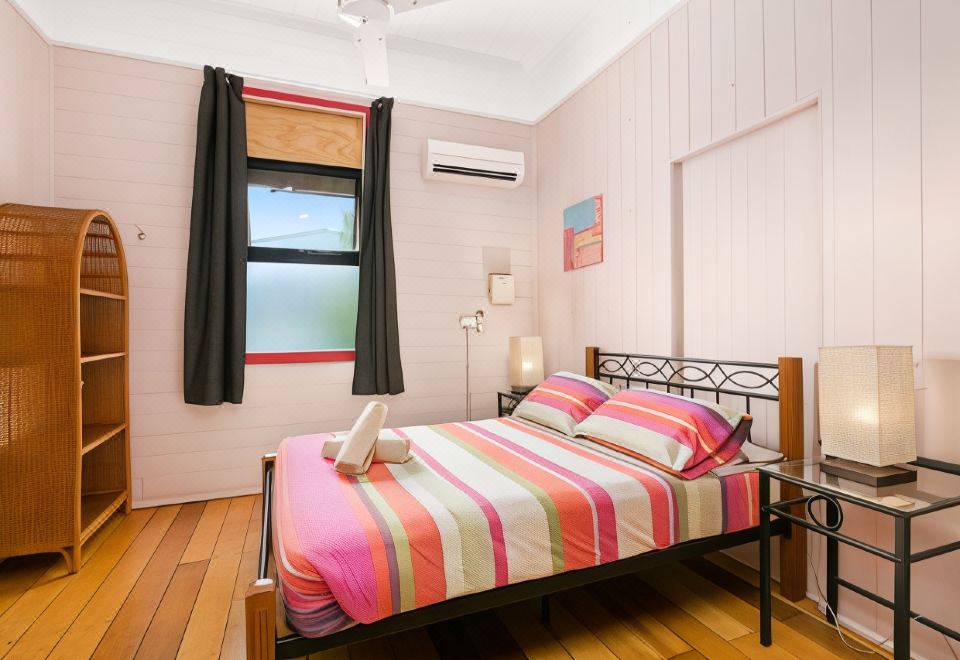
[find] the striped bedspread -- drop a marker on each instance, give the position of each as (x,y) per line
(481,505)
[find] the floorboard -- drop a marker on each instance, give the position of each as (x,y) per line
(126,631)
(168,583)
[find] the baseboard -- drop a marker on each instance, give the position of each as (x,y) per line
(196,497)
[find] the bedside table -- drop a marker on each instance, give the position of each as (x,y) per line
(507,401)
(937,488)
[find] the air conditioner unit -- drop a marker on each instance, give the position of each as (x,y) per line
(467,163)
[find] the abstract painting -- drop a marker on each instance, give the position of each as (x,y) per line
(583,233)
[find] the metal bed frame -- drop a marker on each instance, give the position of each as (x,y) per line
(782,382)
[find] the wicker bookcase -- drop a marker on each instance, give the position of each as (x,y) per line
(64,413)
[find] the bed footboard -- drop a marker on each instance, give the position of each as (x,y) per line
(260,601)
(261,608)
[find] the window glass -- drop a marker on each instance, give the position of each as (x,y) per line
(301,307)
(302,211)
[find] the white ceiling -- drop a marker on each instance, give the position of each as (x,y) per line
(514,59)
(523,31)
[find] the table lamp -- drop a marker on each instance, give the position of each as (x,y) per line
(526,363)
(867,413)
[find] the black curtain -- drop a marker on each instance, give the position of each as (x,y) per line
(377,369)
(214,327)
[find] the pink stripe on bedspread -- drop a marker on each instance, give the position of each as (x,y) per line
(327,531)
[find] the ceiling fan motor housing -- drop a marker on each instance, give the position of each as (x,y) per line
(370,10)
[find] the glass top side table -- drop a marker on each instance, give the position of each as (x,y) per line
(937,488)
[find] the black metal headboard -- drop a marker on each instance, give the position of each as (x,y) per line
(749,380)
(781,382)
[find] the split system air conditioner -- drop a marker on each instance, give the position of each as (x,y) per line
(467,163)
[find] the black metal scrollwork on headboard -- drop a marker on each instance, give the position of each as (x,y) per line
(689,376)
(747,379)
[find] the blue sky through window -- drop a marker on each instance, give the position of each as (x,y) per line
(300,220)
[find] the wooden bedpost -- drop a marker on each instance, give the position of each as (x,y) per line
(593,362)
(793,550)
(260,601)
(261,607)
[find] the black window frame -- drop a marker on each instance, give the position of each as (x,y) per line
(298,255)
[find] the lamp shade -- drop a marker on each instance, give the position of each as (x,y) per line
(867,404)
(526,362)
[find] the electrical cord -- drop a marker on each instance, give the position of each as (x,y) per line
(823,599)
(950,646)
(836,623)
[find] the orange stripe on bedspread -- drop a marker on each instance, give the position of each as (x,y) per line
(423,536)
(573,508)
(661,501)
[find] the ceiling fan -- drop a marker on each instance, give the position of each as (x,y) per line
(369,19)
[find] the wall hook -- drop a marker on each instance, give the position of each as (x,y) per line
(142,235)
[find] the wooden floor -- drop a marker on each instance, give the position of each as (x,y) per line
(169,582)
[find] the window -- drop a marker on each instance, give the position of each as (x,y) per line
(303,261)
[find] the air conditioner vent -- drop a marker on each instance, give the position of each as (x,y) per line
(470,171)
(472,164)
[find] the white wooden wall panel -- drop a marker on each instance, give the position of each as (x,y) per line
(862,244)
(693,312)
(611,330)
(853,183)
(724,254)
(646,249)
(679,65)
(709,257)
(814,43)
(723,65)
(701,85)
(628,204)
(898,231)
(802,252)
(740,250)
(124,140)
(779,55)
(660,194)
(24,111)
(748,39)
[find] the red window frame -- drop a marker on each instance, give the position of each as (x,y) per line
(302,357)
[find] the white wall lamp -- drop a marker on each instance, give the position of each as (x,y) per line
(471,323)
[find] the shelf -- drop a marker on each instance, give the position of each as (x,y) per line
(95,435)
(102,294)
(96,508)
(94,357)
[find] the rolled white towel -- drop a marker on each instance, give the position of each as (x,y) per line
(390,448)
(356,454)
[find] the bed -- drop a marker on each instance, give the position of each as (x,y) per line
(496,511)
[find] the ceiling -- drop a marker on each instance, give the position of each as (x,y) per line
(513,59)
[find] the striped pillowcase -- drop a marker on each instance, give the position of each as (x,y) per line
(687,437)
(563,400)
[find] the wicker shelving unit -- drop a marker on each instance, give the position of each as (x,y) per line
(64,412)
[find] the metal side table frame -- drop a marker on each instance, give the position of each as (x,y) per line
(936,476)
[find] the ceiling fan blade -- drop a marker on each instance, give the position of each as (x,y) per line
(371,41)
(400,6)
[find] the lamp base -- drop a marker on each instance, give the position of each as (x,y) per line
(520,390)
(870,475)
